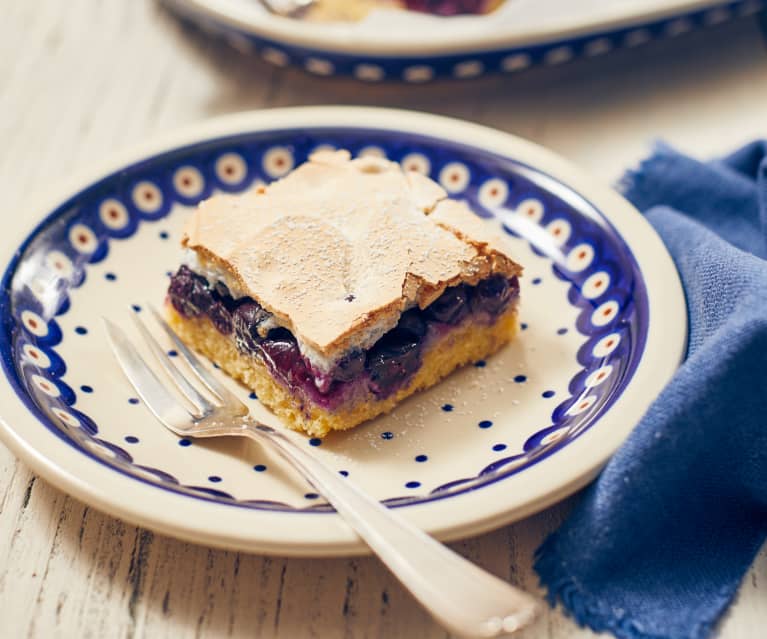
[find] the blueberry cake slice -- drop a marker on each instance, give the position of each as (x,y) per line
(342,289)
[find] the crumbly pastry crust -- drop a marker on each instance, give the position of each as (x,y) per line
(461,345)
(341,246)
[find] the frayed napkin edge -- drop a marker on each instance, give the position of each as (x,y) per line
(631,183)
(587,611)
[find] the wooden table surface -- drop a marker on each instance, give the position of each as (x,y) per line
(83,78)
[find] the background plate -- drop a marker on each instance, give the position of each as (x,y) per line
(603,316)
(417,49)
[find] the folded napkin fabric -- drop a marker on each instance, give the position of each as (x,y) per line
(658,544)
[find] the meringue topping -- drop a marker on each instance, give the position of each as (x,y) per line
(339,248)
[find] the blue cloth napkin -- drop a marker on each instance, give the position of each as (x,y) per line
(659,543)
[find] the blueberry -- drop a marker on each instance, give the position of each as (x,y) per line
(447,7)
(392,360)
(179,290)
(450,307)
(351,366)
(284,355)
(200,296)
(222,290)
(412,322)
(221,318)
(246,318)
(494,294)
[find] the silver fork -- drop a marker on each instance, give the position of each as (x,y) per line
(464,598)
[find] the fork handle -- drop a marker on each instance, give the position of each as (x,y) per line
(464,598)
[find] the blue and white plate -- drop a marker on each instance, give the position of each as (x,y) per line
(414,48)
(603,328)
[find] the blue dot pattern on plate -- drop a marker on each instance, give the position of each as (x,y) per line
(485,423)
(604,285)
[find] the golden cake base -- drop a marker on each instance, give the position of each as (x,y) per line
(456,348)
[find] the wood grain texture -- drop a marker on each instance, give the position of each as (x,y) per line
(83,78)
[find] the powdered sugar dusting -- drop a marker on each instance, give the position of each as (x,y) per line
(340,248)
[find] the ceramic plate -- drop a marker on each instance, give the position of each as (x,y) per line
(410,47)
(603,328)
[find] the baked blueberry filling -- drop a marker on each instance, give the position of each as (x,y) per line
(382,369)
(448,7)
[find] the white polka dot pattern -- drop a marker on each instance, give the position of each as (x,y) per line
(418,73)
(580,257)
(468,69)
(369,72)
(582,405)
(278,161)
(83,239)
(231,168)
(113,214)
(66,417)
(606,345)
(595,285)
(416,162)
(605,313)
(34,323)
(36,356)
(559,55)
(454,177)
(188,182)
(372,152)
(60,263)
(516,62)
(493,193)
(554,436)
(560,230)
(147,197)
(319,66)
(599,376)
(99,449)
(275,56)
(46,386)
(531,209)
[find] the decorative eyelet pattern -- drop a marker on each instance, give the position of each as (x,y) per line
(602,282)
